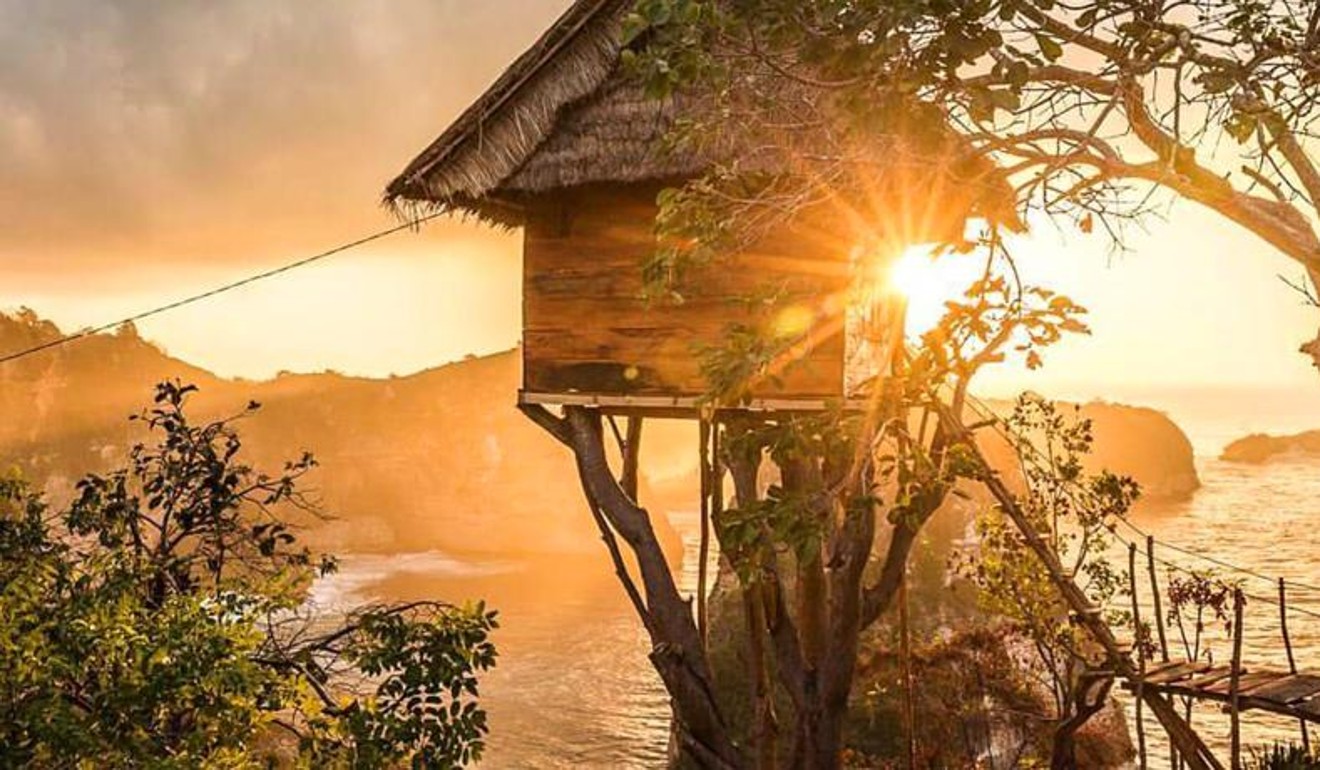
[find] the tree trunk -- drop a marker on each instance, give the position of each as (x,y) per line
(1086,705)
(676,649)
(805,636)
(765,727)
(820,736)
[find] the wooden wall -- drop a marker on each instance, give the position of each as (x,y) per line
(588,330)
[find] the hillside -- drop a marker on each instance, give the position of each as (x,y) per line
(440,459)
(436,460)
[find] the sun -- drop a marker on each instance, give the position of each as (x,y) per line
(913,274)
(927,281)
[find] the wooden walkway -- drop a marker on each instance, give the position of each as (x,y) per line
(1276,691)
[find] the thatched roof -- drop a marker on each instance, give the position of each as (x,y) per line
(564,115)
(549,121)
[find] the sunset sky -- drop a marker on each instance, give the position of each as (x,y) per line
(150,151)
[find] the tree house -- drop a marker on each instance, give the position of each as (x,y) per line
(568,148)
(564,146)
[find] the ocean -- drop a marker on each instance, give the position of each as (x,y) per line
(573,687)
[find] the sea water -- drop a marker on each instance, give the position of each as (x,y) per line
(573,687)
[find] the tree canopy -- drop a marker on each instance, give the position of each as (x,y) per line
(903,121)
(159,620)
(1084,109)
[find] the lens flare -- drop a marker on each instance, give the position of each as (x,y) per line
(794,321)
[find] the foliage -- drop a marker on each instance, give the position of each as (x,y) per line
(842,472)
(1075,111)
(158,621)
(973,700)
(696,226)
(1281,757)
(997,315)
(901,457)
(749,355)
(898,122)
(852,481)
(1196,599)
(1075,514)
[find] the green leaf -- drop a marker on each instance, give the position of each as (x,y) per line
(634,24)
(1049,47)
(1216,81)
(1006,99)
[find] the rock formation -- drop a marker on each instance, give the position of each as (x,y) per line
(1129,440)
(1261,448)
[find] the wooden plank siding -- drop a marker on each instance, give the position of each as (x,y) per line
(587,328)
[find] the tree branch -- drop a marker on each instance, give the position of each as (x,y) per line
(677,651)
(555,426)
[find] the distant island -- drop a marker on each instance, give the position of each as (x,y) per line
(1260,448)
(1146,444)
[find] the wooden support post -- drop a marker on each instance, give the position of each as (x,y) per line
(707,474)
(630,445)
(762,733)
(1235,679)
(905,650)
(1292,662)
(717,489)
(1155,594)
(1138,647)
(632,456)
(1158,609)
(716,494)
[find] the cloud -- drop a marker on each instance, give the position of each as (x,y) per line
(198,130)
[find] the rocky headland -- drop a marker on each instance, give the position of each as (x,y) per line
(1261,448)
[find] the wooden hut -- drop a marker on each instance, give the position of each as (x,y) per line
(564,146)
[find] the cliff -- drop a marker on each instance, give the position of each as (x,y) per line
(1145,444)
(440,459)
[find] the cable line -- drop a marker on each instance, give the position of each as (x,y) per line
(90,332)
(977,405)
(1218,562)
(984,411)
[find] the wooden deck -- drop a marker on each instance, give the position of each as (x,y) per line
(1264,689)
(684,407)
